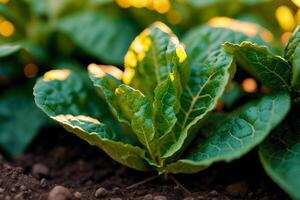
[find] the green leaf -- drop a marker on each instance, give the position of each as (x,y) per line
(20,121)
(292,54)
(237,135)
(6,50)
(273,71)
(151,58)
(140,113)
(99,34)
(280,156)
(289,52)
(212,67)
(166,105)
(65,97)
(107,84)
(98,134)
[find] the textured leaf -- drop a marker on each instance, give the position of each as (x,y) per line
(273,71)
(280,156)
(211,71)
(292,54)
(166,105)
(65,97)
(237,135)
(152,57)
(289,52)
(99,34)
(140,113)
(20,121)
(107,84)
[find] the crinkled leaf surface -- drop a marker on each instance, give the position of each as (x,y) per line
(107,84)
(166,105)
(20,121)
(98,33)
(237,135)
(273,71)
(152,56)
(292,54)
(280,155)
(211,70)
(140,112)
(66,98)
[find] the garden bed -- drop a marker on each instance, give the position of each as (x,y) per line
(60,158)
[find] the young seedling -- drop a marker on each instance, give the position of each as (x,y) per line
(148,117)
(280,153)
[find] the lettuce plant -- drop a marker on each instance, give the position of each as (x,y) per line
(149,116)
(280,153)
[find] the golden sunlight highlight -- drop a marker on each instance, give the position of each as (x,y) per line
(57,74)
(296,2)
(101,70)
(66,118)
(4,1)
(285,18)
(160,6)
(7,29)
(248,28)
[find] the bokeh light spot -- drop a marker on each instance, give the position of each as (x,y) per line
(249,85)
(285,18)
(7,29)
(31,70)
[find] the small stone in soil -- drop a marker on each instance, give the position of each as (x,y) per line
(189,198)
(101,192)
(59,193)
(23,188)
(43,182)
(13,189)
(214,193)
(237,189)
(200,197)
(7,198)
(148,197)
(115,198)
(160,197)
(2,190)
(116,190)
(77,195)
(39,170)
(19,196)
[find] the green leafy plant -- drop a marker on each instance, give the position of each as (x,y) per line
(150,118)
(48,33)
(280,153)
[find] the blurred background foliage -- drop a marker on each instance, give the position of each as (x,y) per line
(38,35)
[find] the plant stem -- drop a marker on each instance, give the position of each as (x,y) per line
(143,182)
(178,184)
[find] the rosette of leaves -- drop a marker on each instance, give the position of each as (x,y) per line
(147,117)
(280,153)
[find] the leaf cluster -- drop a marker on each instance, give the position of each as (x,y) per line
(149,116)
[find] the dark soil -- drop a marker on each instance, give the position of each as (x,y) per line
(59,158)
